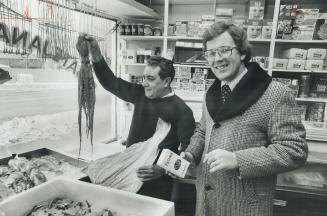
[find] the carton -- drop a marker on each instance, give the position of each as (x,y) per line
(279,63)
(314,53)
(181,28)
(256,9)
(124,203)
(295,53)
(266,29)
(254,29)
(314,64)
(295,64)
(173,163)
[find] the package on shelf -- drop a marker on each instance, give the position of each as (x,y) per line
(226,19)
(256,9)
(266,28)
(280,63)
(303,32)
(254,29)
(303,111)
(208,17)
(181,28)
(295,64)
(185,72)
(320,32)
(286,18)
(194,28)
(171,29)
(313,64)
(305,84)
(204,25)
(293,84)
(315,112)
(130,56)
(315,53)
(324,66)
(185,84)
(261,60)
(306,16)
(225,12)
(294,53)
(208,83)
(198,85)
(319,87)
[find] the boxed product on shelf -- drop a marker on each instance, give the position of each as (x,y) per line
(185,72)
(312,64)
(199,74)
(254,29)
(208,17)
(130,56)
(305,84)
(266,29)
(185,84)
(306,16)
(279,63)
(315,112)
(294,53)
(302,32)
(314,53)
(181,28)
(171,29)
(295,64)
(319,87)
(261,60)
(320,32)
(224,12)
(286,18)
(194,28)
(256,9)
(198,85)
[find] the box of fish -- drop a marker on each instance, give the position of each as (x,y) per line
(63,196)
(24,171)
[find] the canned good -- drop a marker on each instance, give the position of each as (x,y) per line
(134,29)
(147,30)
(122,29)
(157,31)
(140,29)
(128,29)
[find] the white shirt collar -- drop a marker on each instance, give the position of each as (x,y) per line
(235,81)
(172,93)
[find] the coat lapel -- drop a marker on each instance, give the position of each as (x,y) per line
(245,94)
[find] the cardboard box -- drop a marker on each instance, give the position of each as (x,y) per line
(295,53)
(306,17)
(181,28)
(98,196)
(314,53)
(303,32)
(254,29)
(173,163)
(295,64)
(266,29)
(194,28)
(314,64)
(279,63)
(225,12)
(130,56)
(256,9)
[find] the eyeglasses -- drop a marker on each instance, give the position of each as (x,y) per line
(223,52)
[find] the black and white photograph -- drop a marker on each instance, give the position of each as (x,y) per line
(163,108)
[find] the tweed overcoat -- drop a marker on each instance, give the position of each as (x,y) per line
(262,125)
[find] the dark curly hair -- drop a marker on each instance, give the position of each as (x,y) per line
(166,66)
(238,34)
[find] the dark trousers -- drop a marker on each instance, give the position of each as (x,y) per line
(160,188)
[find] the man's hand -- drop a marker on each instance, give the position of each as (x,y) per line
(82,47)
(220,159)
(94,48)
(146,173)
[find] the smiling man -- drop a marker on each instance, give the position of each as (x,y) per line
(249,132)
(152,100)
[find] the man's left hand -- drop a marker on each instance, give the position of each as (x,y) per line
(220,159)
(146,173)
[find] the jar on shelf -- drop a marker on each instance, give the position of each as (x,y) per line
(122,29)
(140,29)
(157,31)
(128,29)
(147,30)
(134,29)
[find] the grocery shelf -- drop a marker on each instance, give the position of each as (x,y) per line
(301,41)
(139,37)
(192,65)
(312,99)
(299,71)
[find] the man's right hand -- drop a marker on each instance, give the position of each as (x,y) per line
(189,157)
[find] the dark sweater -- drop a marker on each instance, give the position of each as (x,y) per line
(147,111)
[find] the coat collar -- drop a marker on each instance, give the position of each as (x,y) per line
(245,94)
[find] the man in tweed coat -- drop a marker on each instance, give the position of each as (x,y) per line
(249,132)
